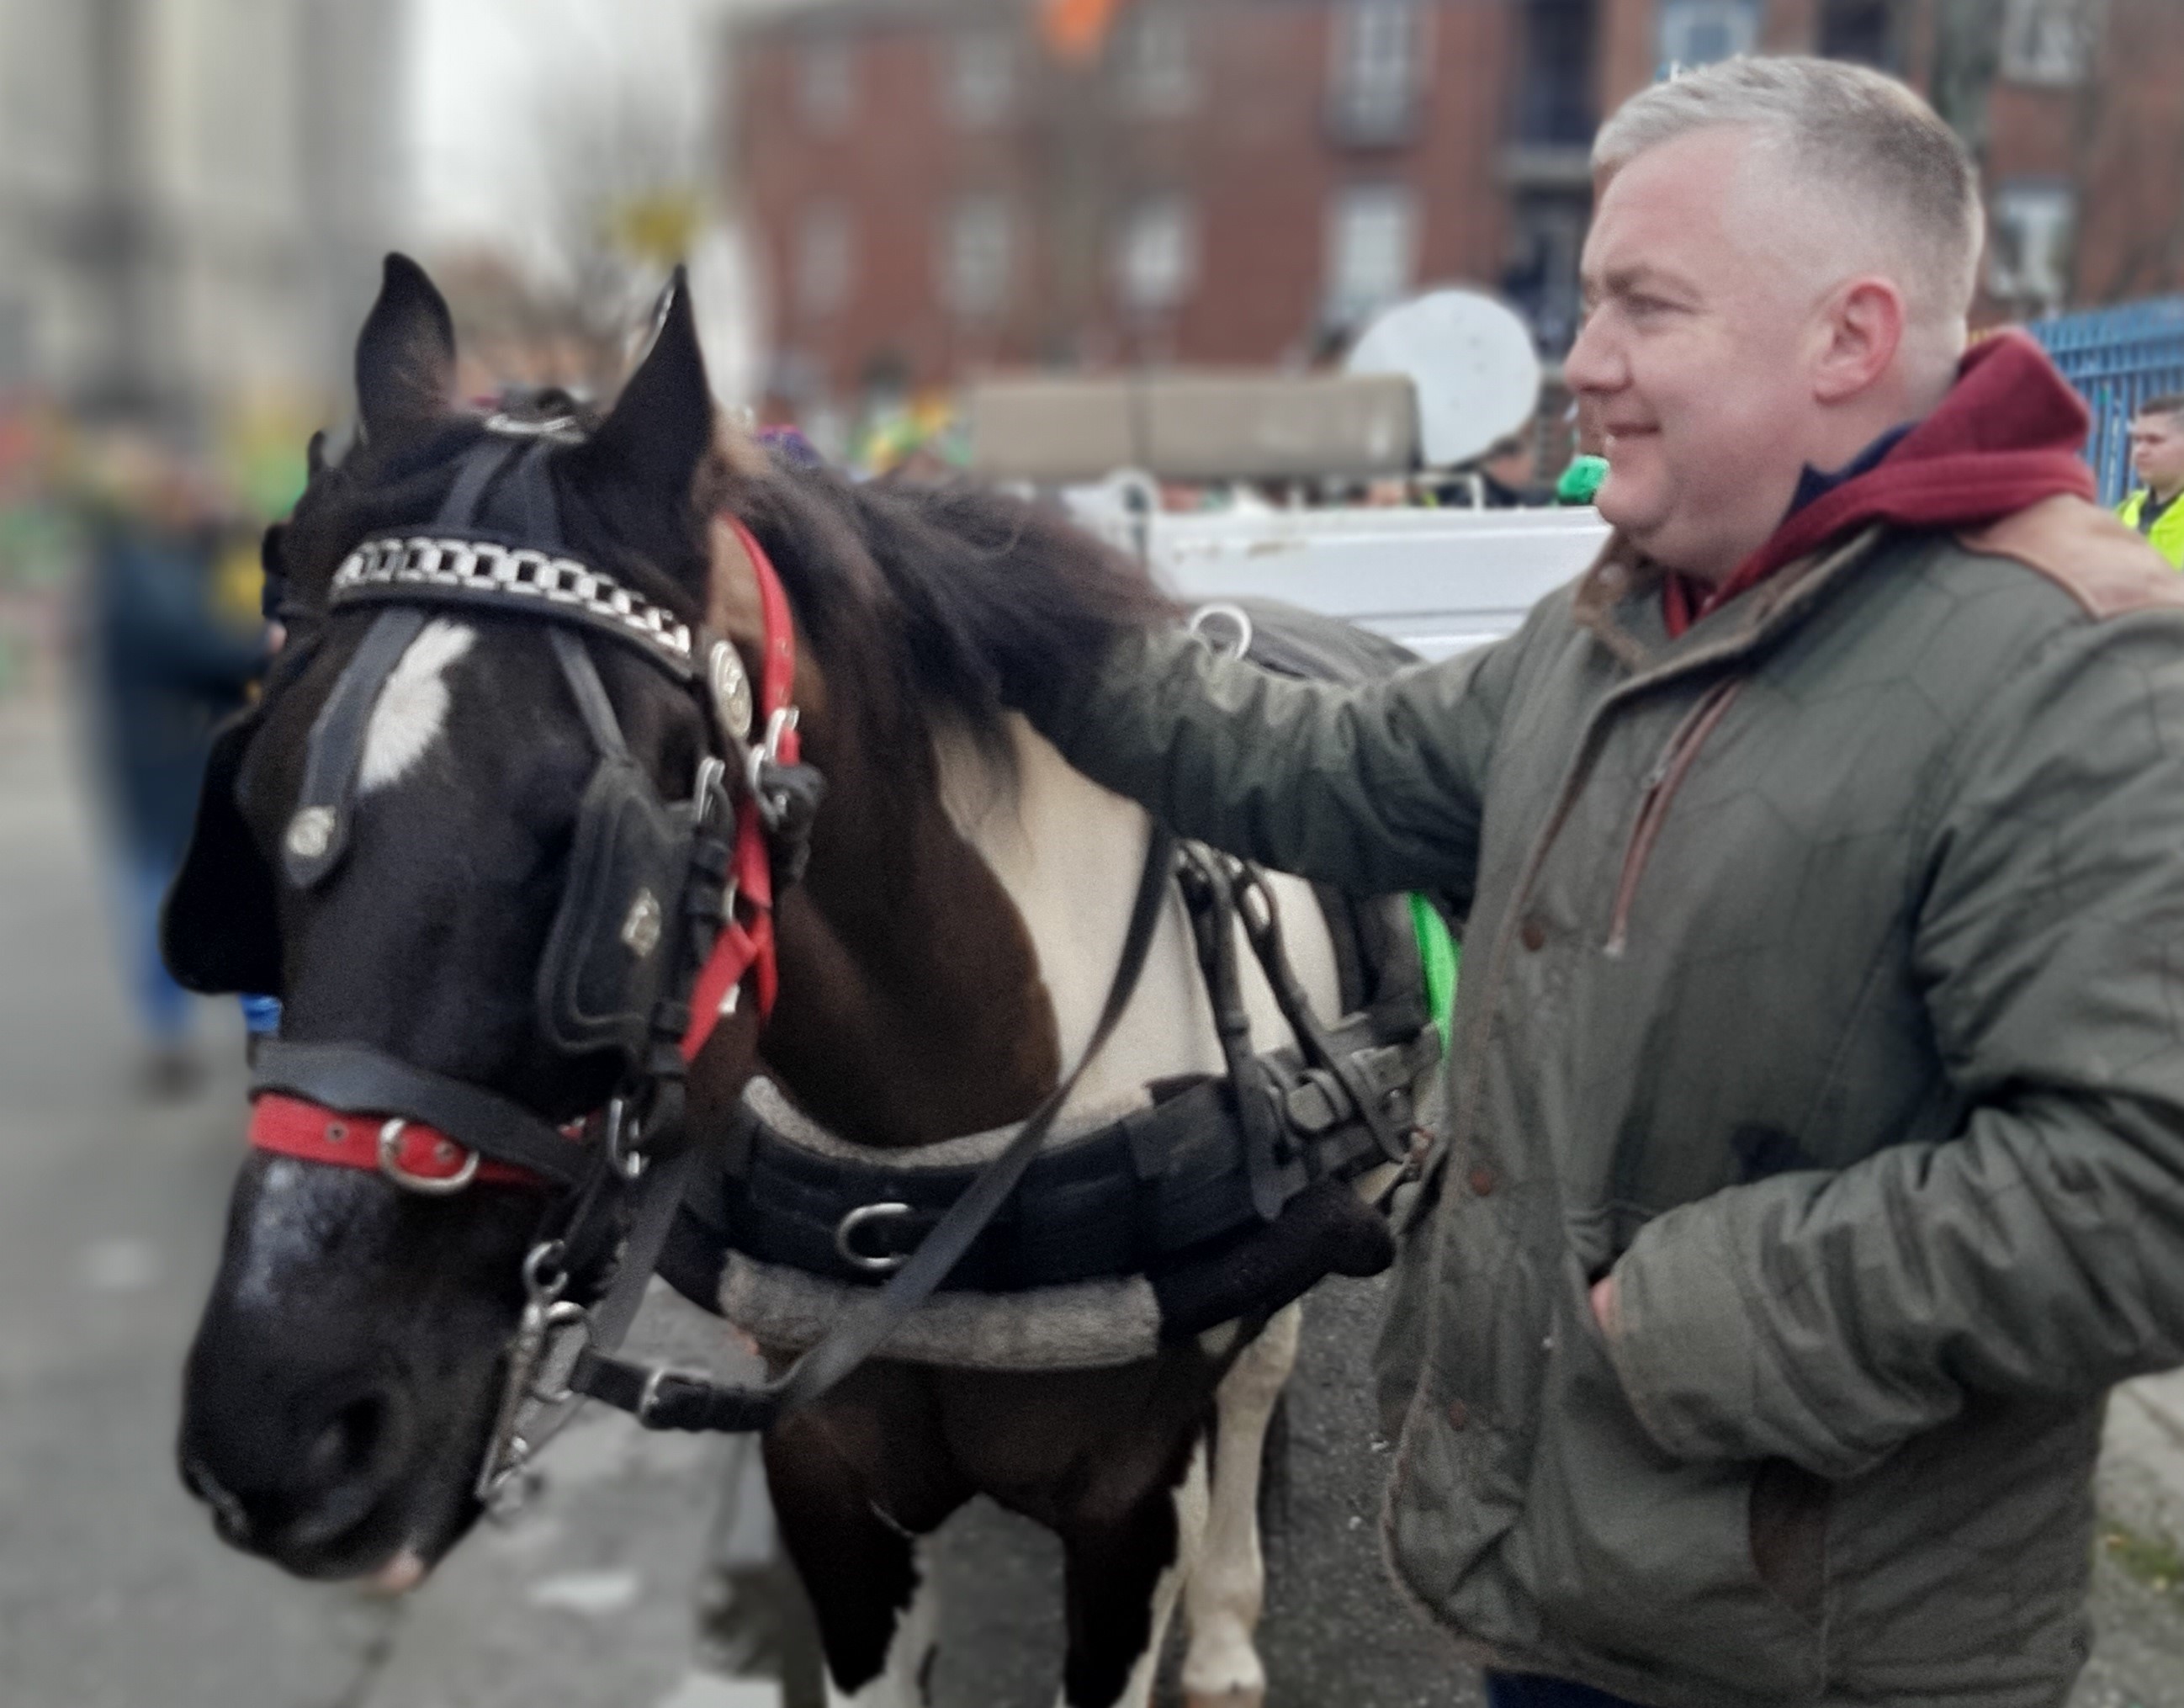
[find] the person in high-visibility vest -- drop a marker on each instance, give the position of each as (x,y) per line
(2157,458)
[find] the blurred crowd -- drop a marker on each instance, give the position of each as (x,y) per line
(133,562)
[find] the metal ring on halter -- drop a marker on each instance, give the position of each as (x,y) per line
(541,1260)
(1235,614)
(432,1186)
(886,1263)
(623,1136)
(767,752)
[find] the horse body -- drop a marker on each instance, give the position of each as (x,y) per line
(1148,1474)
(940,965)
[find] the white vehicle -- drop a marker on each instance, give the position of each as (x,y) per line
(1430,385)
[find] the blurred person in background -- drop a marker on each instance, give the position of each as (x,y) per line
(173,641)
(2157,457)
(1816,1159)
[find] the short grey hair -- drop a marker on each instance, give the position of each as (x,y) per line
(1853,130)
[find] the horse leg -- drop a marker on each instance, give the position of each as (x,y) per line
(1223,1594)
(856,1518)
(1123,1570)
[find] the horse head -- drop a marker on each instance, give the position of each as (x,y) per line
(414,840)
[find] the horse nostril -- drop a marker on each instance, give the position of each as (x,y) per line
(347,1443)
(228,1516)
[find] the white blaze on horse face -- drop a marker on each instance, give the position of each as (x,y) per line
(1068,853)
(412,708)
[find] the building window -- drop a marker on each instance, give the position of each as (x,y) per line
(981,78)
(2029,243)
(2047,41)
(1153,67)
(1372,250)
(1698,32)
(1379,52)
(1554,97)
(825,83)
(823,259)
(977,256)
(1864,30)
(1157,259)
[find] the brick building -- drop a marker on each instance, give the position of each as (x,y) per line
(931,187)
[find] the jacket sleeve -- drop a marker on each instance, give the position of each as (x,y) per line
(1371,789)
(1826,1318)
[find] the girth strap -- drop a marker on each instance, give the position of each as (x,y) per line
(663,1399)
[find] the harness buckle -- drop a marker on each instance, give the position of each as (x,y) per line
(430,1185)
(872,1263)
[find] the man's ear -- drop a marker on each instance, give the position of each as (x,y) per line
(405,355)
(1861,330)
(662,424)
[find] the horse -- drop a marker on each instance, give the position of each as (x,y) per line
(942,959)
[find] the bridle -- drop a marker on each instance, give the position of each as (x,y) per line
(619,1178)
(667,915)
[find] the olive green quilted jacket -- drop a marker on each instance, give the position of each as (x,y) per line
(1824,979)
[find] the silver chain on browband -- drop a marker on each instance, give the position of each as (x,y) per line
(483,566)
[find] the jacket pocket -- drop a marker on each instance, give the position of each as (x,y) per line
(1653,1566)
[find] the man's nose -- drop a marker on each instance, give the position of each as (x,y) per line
(1592,364)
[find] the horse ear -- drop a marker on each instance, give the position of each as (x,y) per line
(405,355)
(662,423)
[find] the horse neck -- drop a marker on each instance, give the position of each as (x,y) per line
(912,1008)
(1069,855)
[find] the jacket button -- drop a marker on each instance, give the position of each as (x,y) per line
(1484,1180)
(1459,1414)
(1532,934)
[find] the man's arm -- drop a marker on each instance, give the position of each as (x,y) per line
(1827,1318)
(1372,789)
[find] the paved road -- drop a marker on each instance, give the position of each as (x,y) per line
(114,1594)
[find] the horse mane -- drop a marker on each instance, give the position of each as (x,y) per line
(969,600)
(962,600)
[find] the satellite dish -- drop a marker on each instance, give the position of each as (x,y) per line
(1471,362)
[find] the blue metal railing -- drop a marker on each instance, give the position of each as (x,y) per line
(2117,358)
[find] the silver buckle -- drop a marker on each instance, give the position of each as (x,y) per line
(883,1263)
(390,1165)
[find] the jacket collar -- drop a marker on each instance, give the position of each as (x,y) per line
(1618,600)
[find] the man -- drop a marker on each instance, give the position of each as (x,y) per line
(1816,1159)
(2157,457)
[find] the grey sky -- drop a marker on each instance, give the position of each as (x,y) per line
(487,72)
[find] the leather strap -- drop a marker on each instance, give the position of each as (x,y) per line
(662,1399)
(590,693)
(292,1126)
(318,830)
(352,1078)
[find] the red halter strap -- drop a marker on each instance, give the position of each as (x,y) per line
(427,1160)
(745,947)
(418,1156)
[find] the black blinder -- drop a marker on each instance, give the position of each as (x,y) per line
(217,929)
(618,936)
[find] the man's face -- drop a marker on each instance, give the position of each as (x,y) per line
(2157,451)
(1698,327)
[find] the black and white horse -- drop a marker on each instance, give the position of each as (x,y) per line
(941,964)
